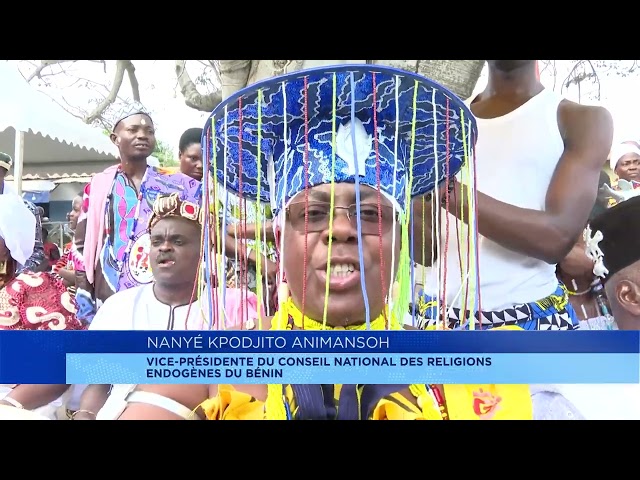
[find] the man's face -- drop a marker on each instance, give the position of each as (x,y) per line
(135,136)
(175,251)
(191,161)
(628,167)
(346,302)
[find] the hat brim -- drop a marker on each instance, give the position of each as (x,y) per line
(5,165)
(441,126)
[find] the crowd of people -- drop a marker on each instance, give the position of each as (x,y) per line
(315,213)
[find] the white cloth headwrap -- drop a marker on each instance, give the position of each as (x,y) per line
(620,151)
(17,227)
(593,251)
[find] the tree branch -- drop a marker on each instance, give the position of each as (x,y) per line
(133,80)
(110,98)
(192,97)
(568,80)
(595,77)
(44,64)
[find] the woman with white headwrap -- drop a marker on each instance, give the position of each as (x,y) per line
(28,301)
(625,163)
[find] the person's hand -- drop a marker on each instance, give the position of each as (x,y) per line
(269,270)
(443,188)
(451,189)
(621,195)
(576,264)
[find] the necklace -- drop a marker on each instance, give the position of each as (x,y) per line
(577,294)
(291,316)
(575,287)
(120,263)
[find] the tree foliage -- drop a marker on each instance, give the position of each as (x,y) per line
(164,153)
(204,83)
(585,75)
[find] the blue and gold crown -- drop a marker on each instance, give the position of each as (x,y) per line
(424,133)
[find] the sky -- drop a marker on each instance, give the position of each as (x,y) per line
(618,94)
(160,94)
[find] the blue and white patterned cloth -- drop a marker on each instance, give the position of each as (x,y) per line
(297,123)
(551,313)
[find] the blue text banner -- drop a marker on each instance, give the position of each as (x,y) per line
(40,357)
(502,368)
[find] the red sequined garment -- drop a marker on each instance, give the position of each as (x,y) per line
(37,301)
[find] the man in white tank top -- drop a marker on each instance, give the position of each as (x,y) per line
(538,161)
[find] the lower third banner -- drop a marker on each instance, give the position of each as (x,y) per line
(351,368)
(316,357)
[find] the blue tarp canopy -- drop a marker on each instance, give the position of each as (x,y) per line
(37,197)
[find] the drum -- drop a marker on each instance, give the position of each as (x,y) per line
(13,413)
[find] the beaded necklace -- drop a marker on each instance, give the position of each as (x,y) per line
(131,235)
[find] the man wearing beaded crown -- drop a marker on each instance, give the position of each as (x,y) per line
(536,170)
(323,152)
(111,233)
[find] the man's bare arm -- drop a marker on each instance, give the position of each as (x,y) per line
(549,235)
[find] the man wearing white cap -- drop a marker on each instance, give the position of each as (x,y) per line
(111,232)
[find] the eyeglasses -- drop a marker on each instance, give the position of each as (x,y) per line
(372,217)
